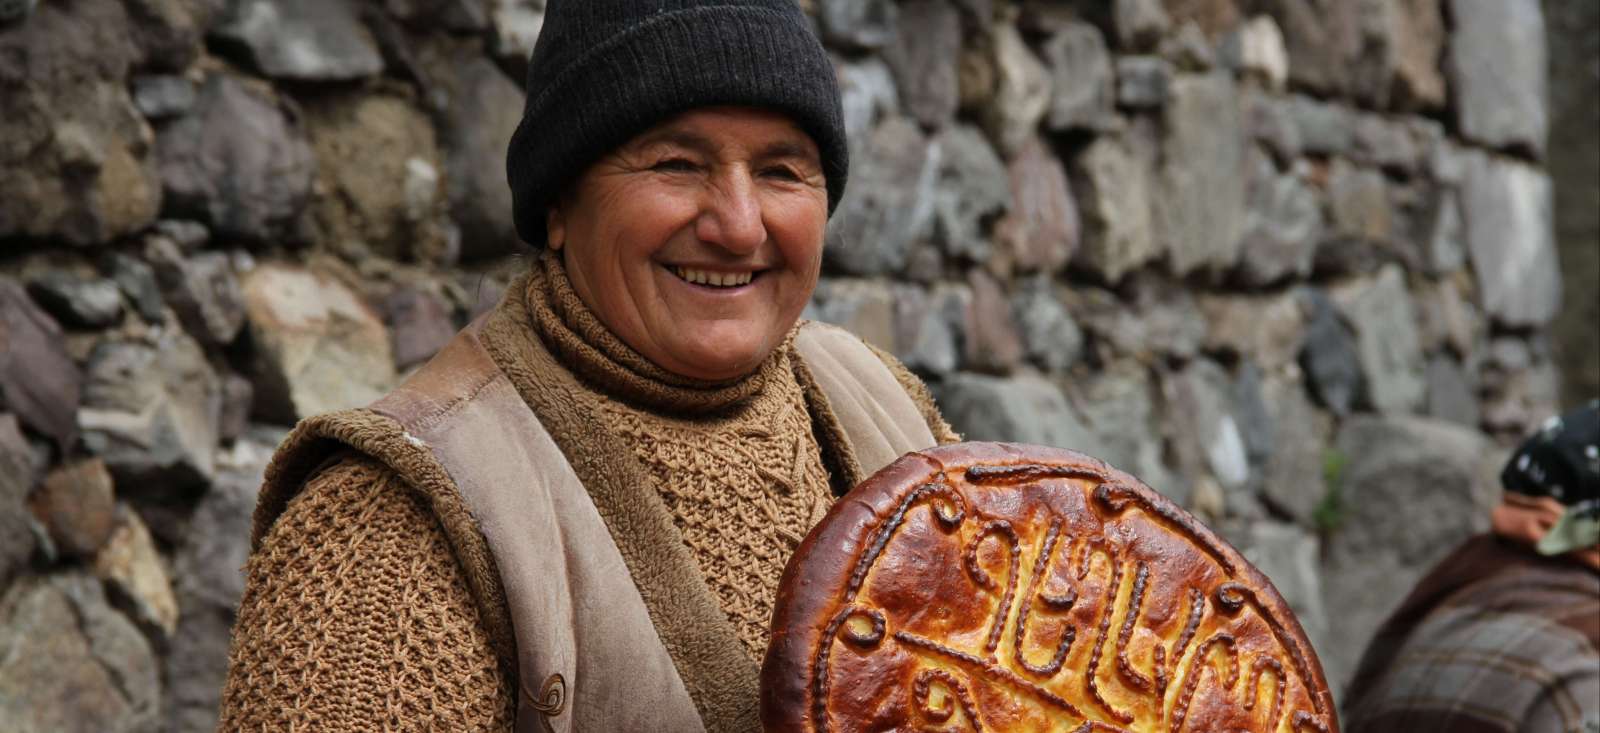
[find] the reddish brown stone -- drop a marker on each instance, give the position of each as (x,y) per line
(77,505)
(993,344)
(1042,229)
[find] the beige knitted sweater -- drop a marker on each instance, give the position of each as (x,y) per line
(356,615)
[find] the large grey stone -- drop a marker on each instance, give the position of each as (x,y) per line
(1022,90)
(1249,406)
(1497,67)
(1022,409)
(1381,142)
(1139,23)
(151,410)
(1439,231)
(208,567)
(1118,408)
(1083,88)
(209,580)
(39,382)
(1292,478)
(924,57)
(1041,231)
(1323,128)
(1203,174)
(1114,189)
(319,346)
(1444,474)
(299,40)
(1451,394)
(379,168)
(1387,343)
(931,328)
(1143,82)
(1200,423)
(867,93)
(1329,358)
(1507,210)
(137,281)
(889,207)
(17,476)
(239,163)
(1282,225)
(1359,204)
(1052,340)
(69,663)
(76,300)
(74,149)
(1271,121)
(974,187)
(866,24)
(475,109)
(201,289)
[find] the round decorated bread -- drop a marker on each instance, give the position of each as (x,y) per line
(1002,587)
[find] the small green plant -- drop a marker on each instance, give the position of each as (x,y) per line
(1331,511)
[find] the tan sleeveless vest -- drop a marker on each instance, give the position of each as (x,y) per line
(611,632)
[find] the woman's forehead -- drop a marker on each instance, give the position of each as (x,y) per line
(715,129)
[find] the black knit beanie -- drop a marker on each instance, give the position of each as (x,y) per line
(604,71)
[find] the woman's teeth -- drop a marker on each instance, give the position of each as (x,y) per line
(713,279)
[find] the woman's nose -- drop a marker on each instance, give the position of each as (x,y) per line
(731,218)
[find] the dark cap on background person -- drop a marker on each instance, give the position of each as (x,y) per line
(1556,471)
(604,71)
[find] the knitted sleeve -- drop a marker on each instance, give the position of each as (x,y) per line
(356,617)
(913,386)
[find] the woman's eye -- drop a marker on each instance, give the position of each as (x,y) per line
(675,165)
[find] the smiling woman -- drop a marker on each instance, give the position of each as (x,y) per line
(576,516)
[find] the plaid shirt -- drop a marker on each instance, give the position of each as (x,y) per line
(1494,640)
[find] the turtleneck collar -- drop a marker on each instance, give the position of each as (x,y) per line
(592,352)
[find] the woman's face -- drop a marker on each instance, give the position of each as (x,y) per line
(699,242)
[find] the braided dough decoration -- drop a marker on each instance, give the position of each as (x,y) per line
(1004,587)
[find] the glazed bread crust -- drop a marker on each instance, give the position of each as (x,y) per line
(1003,587)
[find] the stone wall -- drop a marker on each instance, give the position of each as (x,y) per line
(1289,261)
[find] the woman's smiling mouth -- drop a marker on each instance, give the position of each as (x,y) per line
(713,278)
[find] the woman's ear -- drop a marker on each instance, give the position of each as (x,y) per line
(555,227)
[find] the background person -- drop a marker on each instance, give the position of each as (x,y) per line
(1504,635)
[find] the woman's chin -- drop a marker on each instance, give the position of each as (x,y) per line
(720,360)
